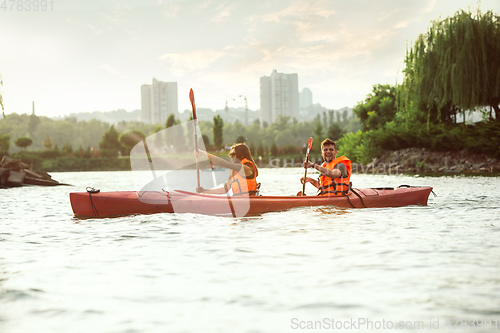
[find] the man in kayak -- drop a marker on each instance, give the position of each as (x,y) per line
(243,179)
(335,173)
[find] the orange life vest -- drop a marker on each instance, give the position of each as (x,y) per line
(337,186)
(238,181)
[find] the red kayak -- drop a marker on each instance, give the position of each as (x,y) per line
(107,204)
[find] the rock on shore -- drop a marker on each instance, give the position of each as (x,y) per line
(15,173)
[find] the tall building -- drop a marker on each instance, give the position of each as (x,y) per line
(158,101)
(306,98)
(146,103)
(279,96)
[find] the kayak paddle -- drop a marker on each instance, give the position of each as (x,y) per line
(309,145)
(191,98)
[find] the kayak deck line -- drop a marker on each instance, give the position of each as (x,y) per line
(121,203)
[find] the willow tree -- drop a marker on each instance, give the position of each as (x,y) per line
(454,67)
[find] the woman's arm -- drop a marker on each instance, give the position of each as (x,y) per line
(226,164)
(219,190)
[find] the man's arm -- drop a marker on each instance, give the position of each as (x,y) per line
(338,171)
(335,173)
(314,182)
(343,170)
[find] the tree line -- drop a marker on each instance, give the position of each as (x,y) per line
(68,137)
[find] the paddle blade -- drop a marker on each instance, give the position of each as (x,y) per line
(191,98)
(309,145)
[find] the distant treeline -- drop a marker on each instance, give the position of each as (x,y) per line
(68,137)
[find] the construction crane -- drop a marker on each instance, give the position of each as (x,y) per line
(246,107)
(226,108)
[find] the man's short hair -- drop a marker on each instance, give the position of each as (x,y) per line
(328,142)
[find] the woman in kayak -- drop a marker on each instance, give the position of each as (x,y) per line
(243,179)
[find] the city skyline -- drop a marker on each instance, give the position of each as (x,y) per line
(91,56)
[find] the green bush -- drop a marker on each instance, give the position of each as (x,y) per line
(484,138)
(50,154)
(50,165)
(23,142)
(70,163)
(108,153)
(87,153)
(481,138)
(4,144)
(290,149)
(359,147)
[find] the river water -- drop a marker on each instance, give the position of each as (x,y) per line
(306,269)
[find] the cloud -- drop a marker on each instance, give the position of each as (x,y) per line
(117,14)
(94,29)
(430,6)
(85,25)
(222,12)
(385,16)
(203,6)
(191,61)
(171,10)
(221,16)
(112,70)
(299,11)
(331,33)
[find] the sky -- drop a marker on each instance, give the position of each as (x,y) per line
(88,55)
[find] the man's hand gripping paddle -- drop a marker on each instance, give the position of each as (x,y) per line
(309,145)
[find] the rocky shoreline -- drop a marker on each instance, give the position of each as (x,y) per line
(421,160)
(15,173)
